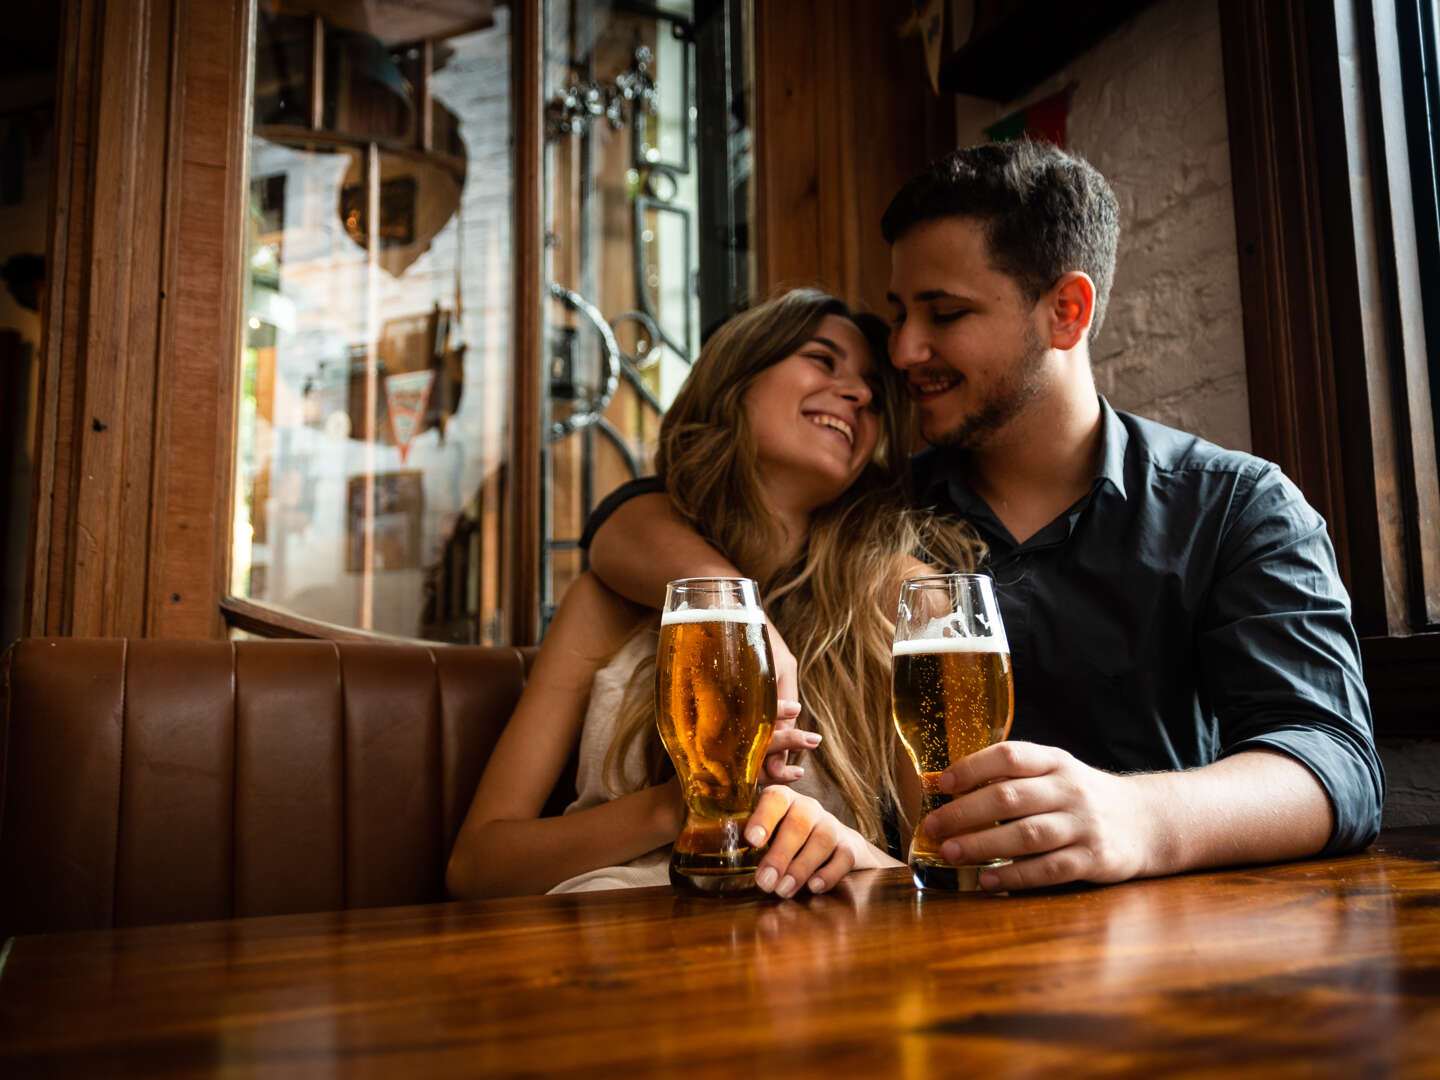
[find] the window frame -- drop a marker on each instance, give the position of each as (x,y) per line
(1334,314)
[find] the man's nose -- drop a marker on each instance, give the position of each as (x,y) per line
(907,346)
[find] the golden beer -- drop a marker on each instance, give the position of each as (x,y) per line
(951,697)
(715,707)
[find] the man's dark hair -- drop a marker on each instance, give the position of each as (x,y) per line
(1044,212)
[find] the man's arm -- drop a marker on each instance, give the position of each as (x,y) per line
(1279,667)
(1062,820)
(645,543)
(640,546)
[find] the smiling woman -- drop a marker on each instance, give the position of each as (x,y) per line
(779,450)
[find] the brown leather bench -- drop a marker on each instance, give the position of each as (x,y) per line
(148,781)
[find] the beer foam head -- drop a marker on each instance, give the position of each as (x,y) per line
(729,615)
(951,645)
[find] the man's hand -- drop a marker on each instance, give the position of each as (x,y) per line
(1058,819)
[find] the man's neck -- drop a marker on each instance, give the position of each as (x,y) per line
(1044,460)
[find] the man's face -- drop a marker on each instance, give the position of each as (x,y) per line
(965,337)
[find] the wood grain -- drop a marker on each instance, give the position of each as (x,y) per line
(1317,968)
(844,115)
(522,551)
(140,356)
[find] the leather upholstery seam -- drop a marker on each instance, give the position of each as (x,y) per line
(120,778)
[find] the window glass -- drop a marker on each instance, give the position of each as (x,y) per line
(376,391)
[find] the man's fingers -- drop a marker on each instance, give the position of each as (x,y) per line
(1038,872)
(1001,761)
(1027,836)
(1004,800)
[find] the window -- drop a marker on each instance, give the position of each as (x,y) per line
(387,428)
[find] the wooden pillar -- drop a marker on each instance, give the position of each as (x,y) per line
(131,515)
(844,115)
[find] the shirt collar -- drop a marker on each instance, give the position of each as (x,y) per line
(1114,441)
(944,471)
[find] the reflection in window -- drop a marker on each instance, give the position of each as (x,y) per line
(375,397)
(647,150)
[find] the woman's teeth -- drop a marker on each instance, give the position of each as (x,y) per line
(834,422)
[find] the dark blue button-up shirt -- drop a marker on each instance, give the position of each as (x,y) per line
(1187,608)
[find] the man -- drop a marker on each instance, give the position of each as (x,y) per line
(1188,685)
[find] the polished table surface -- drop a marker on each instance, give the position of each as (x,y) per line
(1327,967)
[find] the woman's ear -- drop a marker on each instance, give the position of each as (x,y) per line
(1071,306)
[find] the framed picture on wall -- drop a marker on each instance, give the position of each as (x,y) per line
(397,501)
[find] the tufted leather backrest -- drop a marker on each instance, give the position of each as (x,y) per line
(147,781)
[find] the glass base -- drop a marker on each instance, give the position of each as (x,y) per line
(942,877)
(713,881)
(711,858)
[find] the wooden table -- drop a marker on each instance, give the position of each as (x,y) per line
(1327,967)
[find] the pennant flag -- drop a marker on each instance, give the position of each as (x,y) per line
(406,395)
(1042,121)
(927,18)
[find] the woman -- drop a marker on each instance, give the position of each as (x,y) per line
(785,449)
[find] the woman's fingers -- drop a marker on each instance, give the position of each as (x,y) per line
(807,844)
(787,738)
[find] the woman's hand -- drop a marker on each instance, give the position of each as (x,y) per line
(786,737)
(809,848)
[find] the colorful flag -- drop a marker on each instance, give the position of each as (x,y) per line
(1044,120)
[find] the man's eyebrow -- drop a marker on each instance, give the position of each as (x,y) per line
(928,294)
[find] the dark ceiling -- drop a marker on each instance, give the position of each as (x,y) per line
(29,36)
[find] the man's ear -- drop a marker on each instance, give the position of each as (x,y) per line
(1072,306)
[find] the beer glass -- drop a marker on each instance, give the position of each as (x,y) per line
(952,695)
(715,707)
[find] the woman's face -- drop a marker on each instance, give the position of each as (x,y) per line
(815,416)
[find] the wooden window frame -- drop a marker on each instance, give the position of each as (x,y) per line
(1335,344)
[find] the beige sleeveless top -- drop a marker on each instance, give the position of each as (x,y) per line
(607,692)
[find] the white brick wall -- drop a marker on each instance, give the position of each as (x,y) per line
(1148,111)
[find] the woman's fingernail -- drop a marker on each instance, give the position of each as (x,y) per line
(946,783)
(817,884)
(812,739)
(755,836)
(766,878)
(989,880)
(787,887)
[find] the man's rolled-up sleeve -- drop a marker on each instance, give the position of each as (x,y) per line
(1279,657)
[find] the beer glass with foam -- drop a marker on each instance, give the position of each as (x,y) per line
(952,694)
(715,707)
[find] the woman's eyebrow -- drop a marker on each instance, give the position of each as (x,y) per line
(828,344)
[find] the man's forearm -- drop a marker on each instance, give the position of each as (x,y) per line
(1253,807)
(644,544)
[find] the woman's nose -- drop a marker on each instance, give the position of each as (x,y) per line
(857,390)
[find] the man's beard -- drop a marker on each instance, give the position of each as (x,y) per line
(1022,385)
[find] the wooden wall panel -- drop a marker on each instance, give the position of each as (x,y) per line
(844,115)
(141,334)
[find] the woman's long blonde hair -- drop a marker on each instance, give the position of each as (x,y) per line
(834,604)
